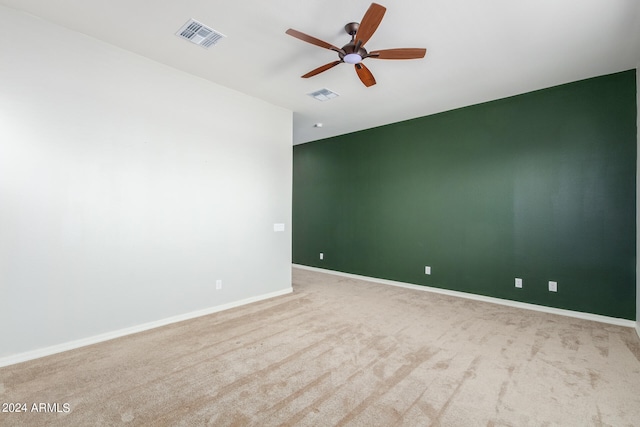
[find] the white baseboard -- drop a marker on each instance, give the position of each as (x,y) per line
(516,304)
(48,351)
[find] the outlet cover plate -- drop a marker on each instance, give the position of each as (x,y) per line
(553,286)
(518,282)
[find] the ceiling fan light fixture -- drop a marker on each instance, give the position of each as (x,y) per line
(352,58)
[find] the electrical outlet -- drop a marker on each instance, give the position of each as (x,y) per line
(218,284)
(553,286)
(427,270)
(518,282)
(321,255)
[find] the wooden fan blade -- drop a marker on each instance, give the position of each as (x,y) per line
(403,53)
(365,75)
(307,38)
(369,23)
(319,70)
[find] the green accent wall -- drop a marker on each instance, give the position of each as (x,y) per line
(540,186)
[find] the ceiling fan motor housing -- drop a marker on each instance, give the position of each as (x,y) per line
(351,54)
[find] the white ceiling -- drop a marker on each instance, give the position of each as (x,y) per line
(476,50)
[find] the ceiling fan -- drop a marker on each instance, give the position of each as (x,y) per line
(354,51)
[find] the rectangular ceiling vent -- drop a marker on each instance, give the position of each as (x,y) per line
(323,95)
(199,34)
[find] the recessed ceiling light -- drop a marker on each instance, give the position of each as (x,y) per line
(317,125)
(323,94)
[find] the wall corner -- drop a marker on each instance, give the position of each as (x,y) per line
(637,200)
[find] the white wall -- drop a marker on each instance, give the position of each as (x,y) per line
(127,188)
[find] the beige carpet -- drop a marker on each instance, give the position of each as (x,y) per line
(344,352)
